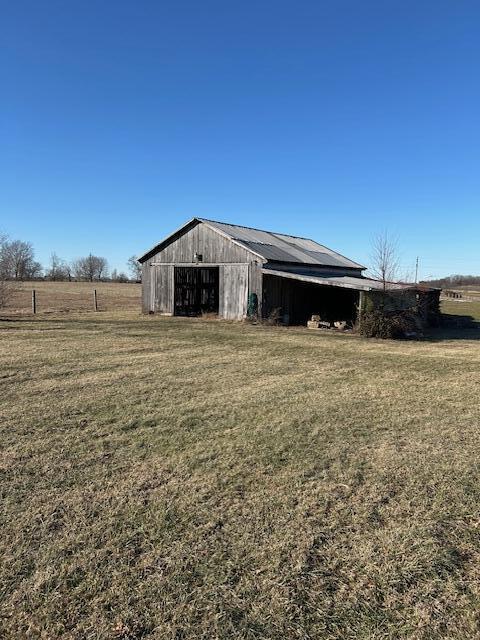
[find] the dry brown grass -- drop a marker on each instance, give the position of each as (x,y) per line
(178,478)
(59,297)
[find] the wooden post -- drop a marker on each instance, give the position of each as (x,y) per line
(34,301)
(361,308)
(95,306)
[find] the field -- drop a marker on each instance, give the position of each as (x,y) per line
(178,479)
(462,307)
(61,297)
(468,304)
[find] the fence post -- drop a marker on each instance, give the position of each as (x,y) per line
(95,305)
(34,301)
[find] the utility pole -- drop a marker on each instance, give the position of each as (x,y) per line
(416,271)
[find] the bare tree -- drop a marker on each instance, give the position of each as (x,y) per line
(18,260)
(57,269)
(33,270)
(68,271)
(102,268)
(3,256)
(5,286)
(90,268)
(117,276)
(20,255)
(6,291)
(135,268)
(385,259)
(78,268)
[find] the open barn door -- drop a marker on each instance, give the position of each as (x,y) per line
(196,290)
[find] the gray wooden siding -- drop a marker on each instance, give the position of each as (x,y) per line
(255,282)
(277,295)
(146,285)
(233,294)
(236,280)
(162,289)
(211,244)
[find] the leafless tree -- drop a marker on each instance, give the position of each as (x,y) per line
(102,268)
(135,268)
(20,255)
(384,259)
(18,260)
(59,269)
(5,286)
(117,276)
(90,268)
(78,269)
(54,271)
(3,256)
(68,271)
(6,291)
(33,270)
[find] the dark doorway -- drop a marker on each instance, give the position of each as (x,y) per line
(300,300)
(196,290)
(330,303)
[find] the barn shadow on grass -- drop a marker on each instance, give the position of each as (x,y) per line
(455,327)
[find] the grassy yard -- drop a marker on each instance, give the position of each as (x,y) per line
(178,479)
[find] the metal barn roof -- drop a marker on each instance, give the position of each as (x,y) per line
(331,280)
(280,247)
(275,247)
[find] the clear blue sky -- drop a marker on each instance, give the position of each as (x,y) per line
(331,119)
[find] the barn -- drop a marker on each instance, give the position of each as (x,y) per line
(234,271)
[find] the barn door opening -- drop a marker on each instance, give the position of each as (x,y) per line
(196,290)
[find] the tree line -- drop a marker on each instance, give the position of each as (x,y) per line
(453,281)
(17,262)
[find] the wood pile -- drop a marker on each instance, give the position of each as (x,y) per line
(317,323)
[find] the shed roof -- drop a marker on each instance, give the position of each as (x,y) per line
(271,246)
(345,282)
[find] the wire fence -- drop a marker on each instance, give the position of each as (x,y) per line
(28,298)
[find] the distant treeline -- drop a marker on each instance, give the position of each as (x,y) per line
(17,262)
(452,282)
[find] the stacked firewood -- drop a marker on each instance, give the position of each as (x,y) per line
(317,323)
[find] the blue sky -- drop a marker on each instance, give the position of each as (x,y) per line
(334,120)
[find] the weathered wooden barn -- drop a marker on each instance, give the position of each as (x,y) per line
(230,270)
